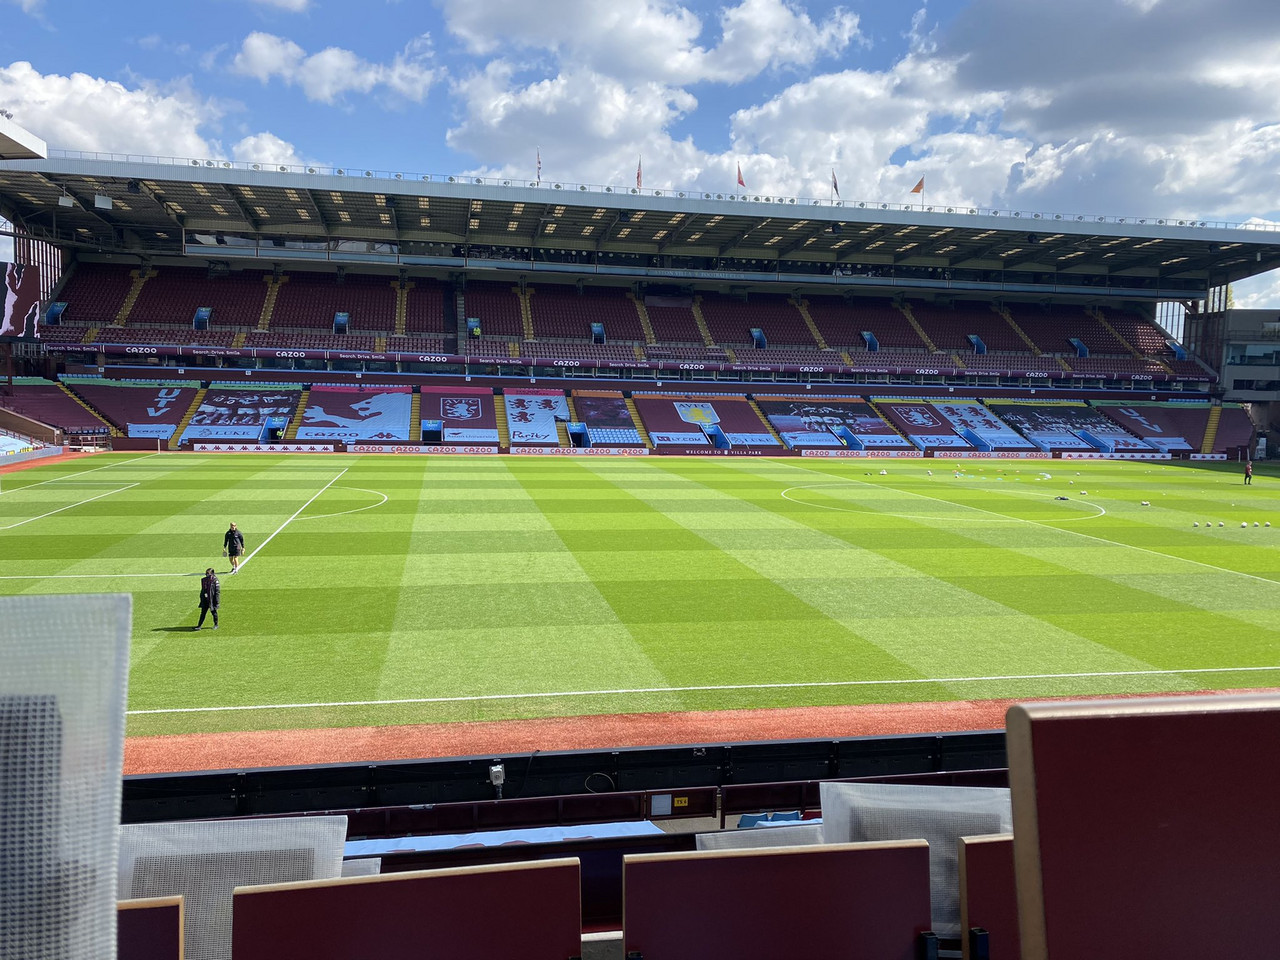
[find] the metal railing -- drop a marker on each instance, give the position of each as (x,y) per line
(361,173)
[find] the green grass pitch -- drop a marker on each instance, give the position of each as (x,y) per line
(384,589)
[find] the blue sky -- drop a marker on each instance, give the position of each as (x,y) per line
(1127,107)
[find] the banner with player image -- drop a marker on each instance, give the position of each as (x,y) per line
(353,413)
(239,414)
(20,303)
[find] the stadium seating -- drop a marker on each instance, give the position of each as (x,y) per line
(309,300)
(607,419)
(139,409)
(1052,327)
(414,344)
(922,424)
(949,328)
(172,334)
(497,307)
(730,320)
(310,340)
(560,311)
(357,414)
(425,309)
(672,321)
(491,347)
(699,419)
(1168,427)
(1119,368)
(1140,333)
(532,415)
(48,403)
(1068,426)
(1235,429)
(989,897)
(95,293)
(617,352)
(172,294)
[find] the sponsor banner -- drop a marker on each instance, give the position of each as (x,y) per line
(1208,456)
(1071,455)
(752,439)
(154,431)
(897,454)
(886,440)
(993,455)
(532,415)
(481,436)
(582,451)
(398,448)
(929,441)
(811,438)
(262,447)
(678,439)
(214,431)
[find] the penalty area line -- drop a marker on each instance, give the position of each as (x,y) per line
(711,688)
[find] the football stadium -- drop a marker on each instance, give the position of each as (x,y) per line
(614,561)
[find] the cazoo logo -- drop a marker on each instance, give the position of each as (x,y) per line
(693,366)
(567,363)
(430,358)
(928,372)
(296,354)
(151,350)
(811,370)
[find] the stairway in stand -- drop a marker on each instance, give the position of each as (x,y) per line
(635,418)
(415,418)
(186,418)
(1211,429)
(291,432)
(500,410)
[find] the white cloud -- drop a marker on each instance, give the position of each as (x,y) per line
(266,148)
(1258,293)
(334,71)
(292,6)
(80,112)
(652,40)
(28,6)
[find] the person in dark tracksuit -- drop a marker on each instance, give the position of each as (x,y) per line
(1248,472)
(233,546)
(210,598)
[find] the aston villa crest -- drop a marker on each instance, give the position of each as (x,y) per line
(460,408)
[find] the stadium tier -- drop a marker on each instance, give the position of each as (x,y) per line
(94,293)
(842,322)
(672,320)
(424,308)
(497,307)
(51,403)
(1235,429)
(310,301)
(607,418)
(232,412)
(171,295)
(982,428)
(1168,427)
(567,313)
(920,423)
(1052,328)
(808,422)
(1070,426)
(731,321)
(139,409)
(950,328)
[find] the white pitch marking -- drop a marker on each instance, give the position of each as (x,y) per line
(94,576)
(1087,536)
(734,686)
(127,486)
(246,560)
(343,513)
(926,516)
(119,463)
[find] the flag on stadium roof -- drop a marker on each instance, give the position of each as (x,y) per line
(539,176)
(639,174)
(741,182)
(919,187)
(834,185)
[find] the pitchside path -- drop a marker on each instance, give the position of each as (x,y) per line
(392,590)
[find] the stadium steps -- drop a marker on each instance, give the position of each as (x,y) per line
(701,321)
(1211,429)
(269,304)
(115,431)
(643,313)
(460,317)
(765,420)
(291,431)
(513,348)
(904,308)
(844,355)
(500,412)
(1097,314)
(573,411)
(131,297)
(526,310)
(803,307)
(239,339)
(639,424)
(402,305)
(1013,325)
(380,343)
(415,418)
(638,351)
(562,433)
(90,335)
(1063,364)
(198,399)
(955,358)
(729,352)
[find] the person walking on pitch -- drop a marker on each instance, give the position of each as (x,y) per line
(233,546)
(210,598)
(1248,472)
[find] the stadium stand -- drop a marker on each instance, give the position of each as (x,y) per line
(1235,429)
(95,292)
(1140,333)
(809,422)
(307,301)
(832,900)
(921,423)
(238,412)
(730,320)
(373,413)
(1208,846)
(841,322)
(1067,425)
(532,415)
(529,910)
(464,414)
(1168,427)
(424,308)
(672,319)
(172,294)
(949,328)
(11,444)
(1051,328)
(607,419)
(150,929)
(1119,368)
(722,421)
(168,335)
(663,423)
(565,312)
(138,408)
(982,428)
(51,404)
(497,308)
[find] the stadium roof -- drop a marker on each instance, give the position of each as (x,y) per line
(148,205)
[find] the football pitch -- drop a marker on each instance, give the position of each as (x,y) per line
(385,590)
